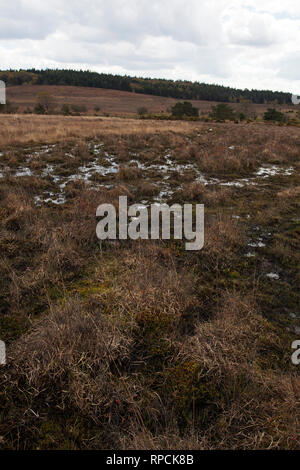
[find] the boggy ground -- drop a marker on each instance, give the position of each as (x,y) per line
(142,345)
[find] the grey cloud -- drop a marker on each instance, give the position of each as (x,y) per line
(215,39)
(19,21)
(132,20)
(289,67)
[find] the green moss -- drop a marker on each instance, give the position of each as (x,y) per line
(12,326)
(90,290)
(153,329)
(274,348)
(187,390)
(63,433)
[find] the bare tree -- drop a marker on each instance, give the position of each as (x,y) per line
(45,103)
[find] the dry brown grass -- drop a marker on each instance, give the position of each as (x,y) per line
(121,357)
(206,194)
(237,149)
(144,345)
(109,101)
(274,141)
(21,129)
(73,341)
(127,173)
(258,408)
(290,193)
(146,189)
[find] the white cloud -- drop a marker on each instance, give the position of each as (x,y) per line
(238,43)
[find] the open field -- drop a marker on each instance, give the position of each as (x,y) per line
(20,129)
(143,345)
(109,101)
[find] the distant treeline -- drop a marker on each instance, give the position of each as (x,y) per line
(168,88)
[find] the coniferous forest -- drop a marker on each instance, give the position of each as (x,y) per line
(160,87)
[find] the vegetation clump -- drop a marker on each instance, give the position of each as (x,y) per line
(184,109)
(273,115)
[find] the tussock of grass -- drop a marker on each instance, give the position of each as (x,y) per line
(128,173)
(125,362)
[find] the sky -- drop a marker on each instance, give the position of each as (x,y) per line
(238,43)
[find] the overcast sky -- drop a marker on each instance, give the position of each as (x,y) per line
(240,43)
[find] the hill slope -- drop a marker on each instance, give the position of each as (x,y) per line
(109,101)
(159,87)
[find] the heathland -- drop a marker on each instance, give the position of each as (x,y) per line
(115,102)
(143,345)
